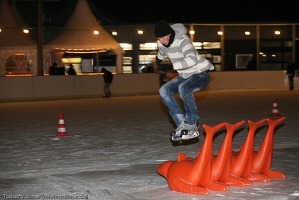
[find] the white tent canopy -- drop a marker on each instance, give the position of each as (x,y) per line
(13,41)
(78,35)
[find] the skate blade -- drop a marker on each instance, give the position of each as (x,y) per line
(189,137)
(176,138)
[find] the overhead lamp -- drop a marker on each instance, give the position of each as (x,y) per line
(114,33)
(140,32)
(25,31)
(192,32)
(96,32)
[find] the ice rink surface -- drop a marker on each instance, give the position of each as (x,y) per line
(114,146)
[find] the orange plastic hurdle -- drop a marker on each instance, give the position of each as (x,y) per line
(189,175)
(222,162)
(241,161)
(218,172)
(262,159)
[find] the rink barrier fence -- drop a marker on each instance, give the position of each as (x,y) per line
(71,87)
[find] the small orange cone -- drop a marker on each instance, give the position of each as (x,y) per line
(275,112)
(61,127)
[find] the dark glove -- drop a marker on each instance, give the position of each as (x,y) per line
(158,61)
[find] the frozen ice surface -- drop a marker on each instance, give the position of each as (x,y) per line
(114,146)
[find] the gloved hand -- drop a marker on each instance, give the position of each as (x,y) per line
(158,61)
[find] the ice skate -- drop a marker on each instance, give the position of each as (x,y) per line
(176,135)
(190,131)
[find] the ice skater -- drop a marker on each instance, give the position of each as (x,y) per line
(108,77)
(192,77)
(291,72)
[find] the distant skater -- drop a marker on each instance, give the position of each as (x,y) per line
(108,77)
(291,72)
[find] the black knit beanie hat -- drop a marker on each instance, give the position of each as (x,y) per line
(162,28)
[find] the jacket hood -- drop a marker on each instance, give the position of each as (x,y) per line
(179,29)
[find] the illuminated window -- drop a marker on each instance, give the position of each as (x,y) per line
(126,46)
(18,64)
(148,46)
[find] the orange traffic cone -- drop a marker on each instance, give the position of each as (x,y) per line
(275,112)
(61,127)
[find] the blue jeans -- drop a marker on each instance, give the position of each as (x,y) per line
(185,88)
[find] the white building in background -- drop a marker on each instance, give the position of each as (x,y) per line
(228,46)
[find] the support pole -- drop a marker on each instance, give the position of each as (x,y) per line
(40,39)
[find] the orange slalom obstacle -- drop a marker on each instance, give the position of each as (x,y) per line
(218,172)
(275,112)
(61,127)
(241,161)
(189,175)
(222,162)
(261,163)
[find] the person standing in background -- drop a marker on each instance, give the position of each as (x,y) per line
(54,69)
(108,77)
(291,72)
(61,70)
(71,70)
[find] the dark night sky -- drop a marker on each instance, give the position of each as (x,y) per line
(183,11)
(198,11)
